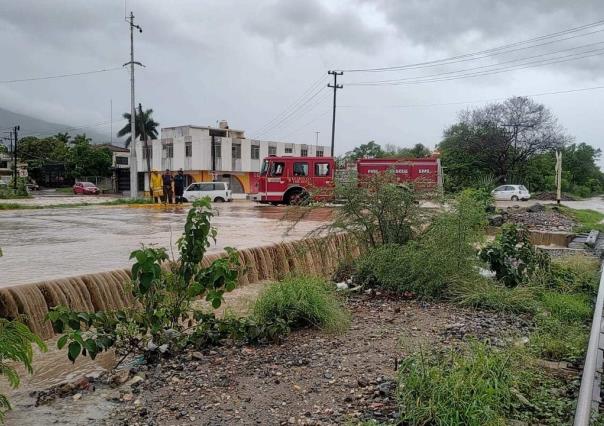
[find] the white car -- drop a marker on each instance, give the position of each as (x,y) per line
(218,192)
(511,192)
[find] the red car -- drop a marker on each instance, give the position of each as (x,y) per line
(86,188)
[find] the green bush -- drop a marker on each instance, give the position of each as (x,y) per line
(472,387)
(302,302)
(442,254)
(512,257)
(488,294)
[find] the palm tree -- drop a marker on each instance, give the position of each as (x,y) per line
(149,125)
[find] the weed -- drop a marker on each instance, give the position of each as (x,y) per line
(567,307)
(575,274)
(302,302)
(557,340)
(487,294)
(472,387)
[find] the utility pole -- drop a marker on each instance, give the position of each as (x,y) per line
(15,130)
(335,87)
(317,139)
(133,165)
(111,118)
(558,176)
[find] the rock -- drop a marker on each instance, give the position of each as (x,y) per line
(128,397)
(120,377)
(496,220)
(363,382)
(77,396)
(386,387)
(536,208)
(135,381)
(197,355)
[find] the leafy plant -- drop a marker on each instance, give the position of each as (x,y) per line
(301,302)
(16,341)
(512,257)
(163,290)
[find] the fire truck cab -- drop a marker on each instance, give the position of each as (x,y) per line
(288,180)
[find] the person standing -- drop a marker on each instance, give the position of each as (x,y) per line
(156,186)
(167,184)
(179,186)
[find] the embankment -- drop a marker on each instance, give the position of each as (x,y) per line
(105,290)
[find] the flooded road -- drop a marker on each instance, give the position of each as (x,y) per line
(56,243)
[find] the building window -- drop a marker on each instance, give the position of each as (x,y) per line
(319,153)
(4,164)
(236,151)
(217,147)
(272,150)
(147,152)
(321,169)
(122,161)
(255,152)
(168,150)
(300,169)
(188,149)
(289,150)
(304,152)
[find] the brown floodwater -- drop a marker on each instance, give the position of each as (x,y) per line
(57,243)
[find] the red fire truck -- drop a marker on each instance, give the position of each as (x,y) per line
(287,180)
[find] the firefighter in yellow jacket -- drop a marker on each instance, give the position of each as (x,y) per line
(156,186)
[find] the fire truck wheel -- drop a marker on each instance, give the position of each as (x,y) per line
(296,197)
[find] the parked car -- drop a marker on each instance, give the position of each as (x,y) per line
(511,192)
(218,192)
(86,188)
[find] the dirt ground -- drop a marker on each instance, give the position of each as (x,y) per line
(313,377)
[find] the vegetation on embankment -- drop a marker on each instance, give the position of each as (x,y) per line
(586,218)
(115,202)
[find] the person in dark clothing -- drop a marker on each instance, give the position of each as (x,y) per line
(179,186)
(167,186)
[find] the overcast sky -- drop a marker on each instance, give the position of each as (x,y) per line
(247,61)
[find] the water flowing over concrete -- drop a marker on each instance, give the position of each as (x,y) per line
(105,290)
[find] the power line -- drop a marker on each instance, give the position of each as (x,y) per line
(533,64)
(558,92)
(49,77)
(486,51)
(290,114)
(293,105)
(302,114)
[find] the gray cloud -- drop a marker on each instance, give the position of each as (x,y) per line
(311,24)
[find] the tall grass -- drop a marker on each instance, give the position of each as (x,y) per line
(303,302)
(473,387)
(587,219)
(485,293)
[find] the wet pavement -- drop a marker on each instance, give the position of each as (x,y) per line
(55,243)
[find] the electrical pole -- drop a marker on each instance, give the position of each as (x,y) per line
(133,165)
(15,130)
(335,87)
(558,176)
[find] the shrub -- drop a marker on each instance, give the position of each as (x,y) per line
(16,341)
(379,211)
(512,257)
(302,302)
(163,290)
(487,294)
(472,387)
(442,254)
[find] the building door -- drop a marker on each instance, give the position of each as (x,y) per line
(233,182)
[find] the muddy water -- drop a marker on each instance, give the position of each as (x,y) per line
(56,243)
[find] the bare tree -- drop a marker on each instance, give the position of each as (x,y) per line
(509,133)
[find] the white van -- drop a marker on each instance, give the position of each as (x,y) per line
(218,192)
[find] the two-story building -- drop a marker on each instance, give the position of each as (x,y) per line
(220,153)
(120,166)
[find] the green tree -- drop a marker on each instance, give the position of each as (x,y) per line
(417,151)
(85,159)
(368,150)
(498,139)
(147,123)
(41,152)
